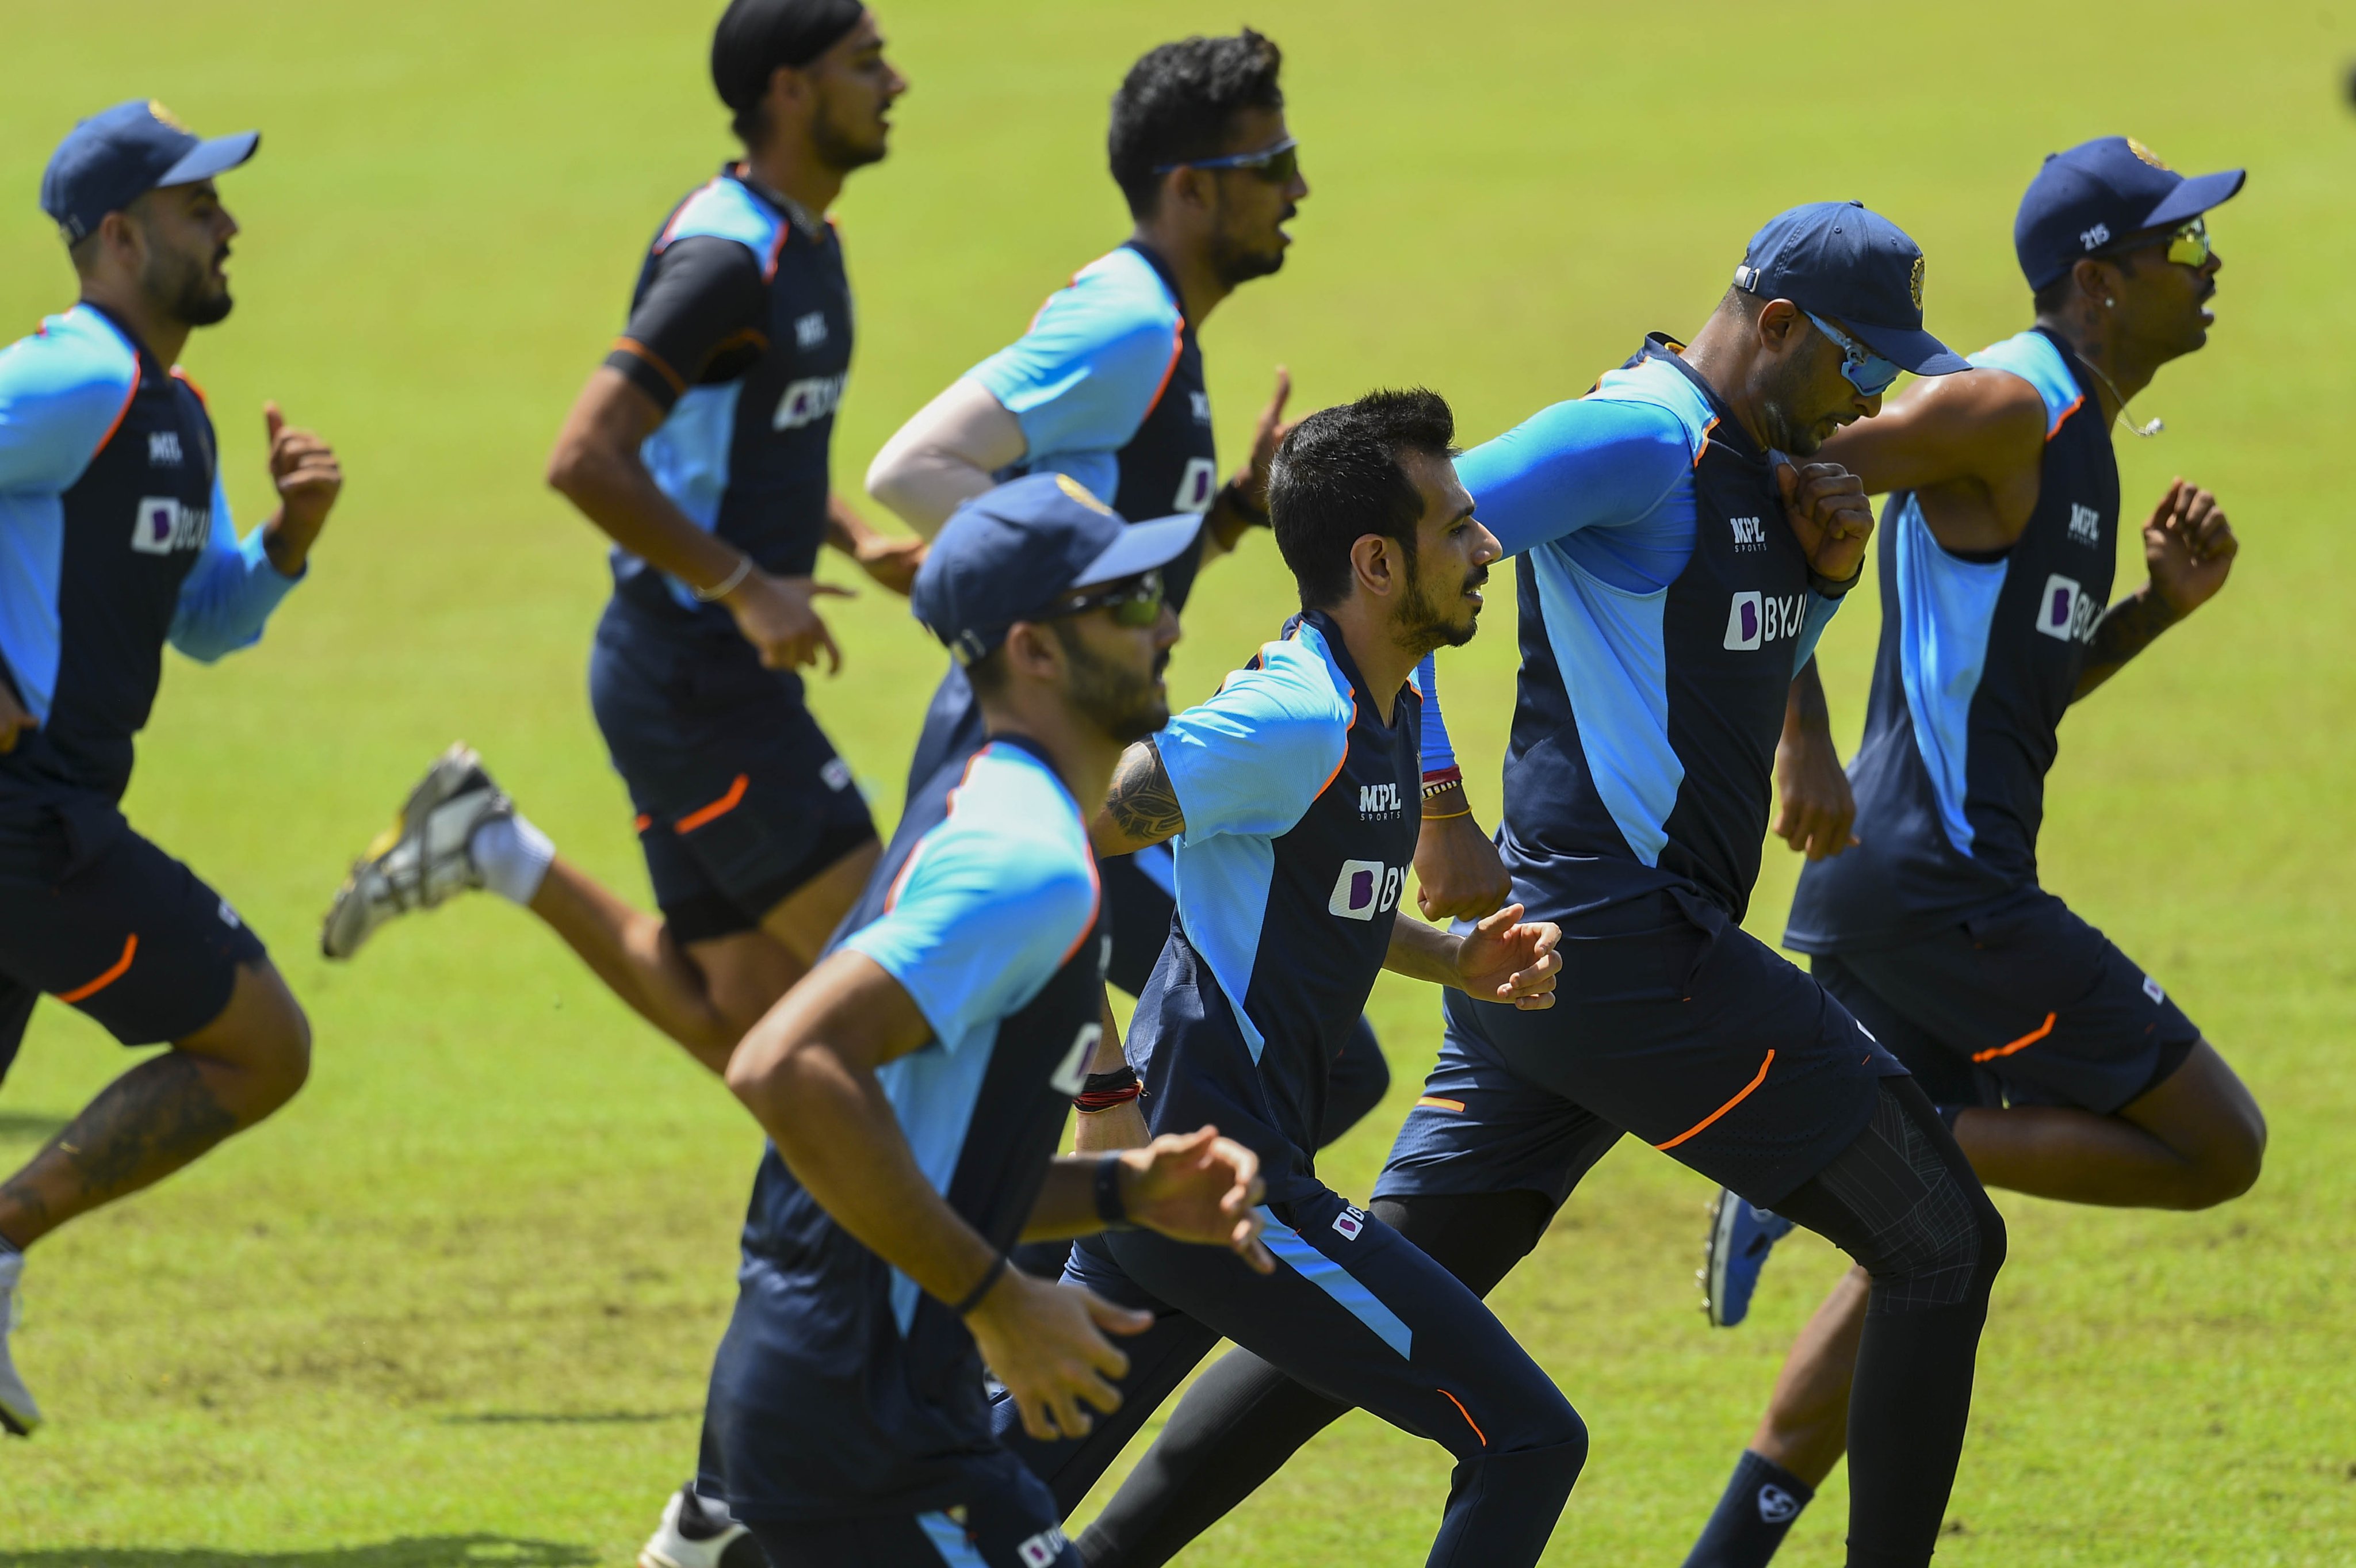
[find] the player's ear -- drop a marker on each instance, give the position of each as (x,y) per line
(1778,321)
(1031,653)
(1374,563)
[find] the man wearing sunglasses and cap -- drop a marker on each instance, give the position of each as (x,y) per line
(2063,1069)
(1681,553)
(116,538)
(916,1085)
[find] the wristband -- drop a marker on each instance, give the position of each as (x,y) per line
(1110,1209)
(727,585)
(1825,587)
(1441,780)
(1103,1090)
(1233,494)
(989,1278)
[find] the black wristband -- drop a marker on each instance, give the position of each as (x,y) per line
(1825,587)
(989,1278)
(1110,1209)
(1233,494)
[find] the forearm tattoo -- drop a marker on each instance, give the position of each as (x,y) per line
(144,1127)
(2125,629)
(1142,803)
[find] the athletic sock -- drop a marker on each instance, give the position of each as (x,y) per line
(1753,1515)
(512,855)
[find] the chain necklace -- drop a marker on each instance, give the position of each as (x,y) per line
(2148,430)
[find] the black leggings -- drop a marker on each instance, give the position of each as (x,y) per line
(1901,1200)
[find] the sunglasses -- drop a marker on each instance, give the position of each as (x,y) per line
(1136,603)
(1866,370)
(1276,165)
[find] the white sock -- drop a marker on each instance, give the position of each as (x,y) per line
(512,855)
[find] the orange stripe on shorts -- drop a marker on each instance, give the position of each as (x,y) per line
(2021,1044)
(1722,1110)
(82,993)
(720,808)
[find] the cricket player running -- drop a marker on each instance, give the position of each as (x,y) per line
(701,447)
(2063,1067)
(916,1084)
(115,538)
(1290,796)
(1683,554)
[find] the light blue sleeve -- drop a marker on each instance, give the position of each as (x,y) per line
(1084,376)
(1438,757)
(60,391)
(982,923)
(1595,462)
(1255,757)
(230,591)
(1818,616)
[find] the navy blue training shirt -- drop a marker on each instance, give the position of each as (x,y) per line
(1664,610)
(115,538)
(841,1389)
(1977,663)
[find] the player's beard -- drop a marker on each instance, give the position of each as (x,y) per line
(837,148)
(1235,263)
(1424,626)
(183,284)
(1778,406)
(1126,704)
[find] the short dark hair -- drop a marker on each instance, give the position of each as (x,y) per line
(1338,478)
(1180,102)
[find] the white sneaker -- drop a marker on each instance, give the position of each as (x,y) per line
(422,858)
(697,1532)
(18,1414)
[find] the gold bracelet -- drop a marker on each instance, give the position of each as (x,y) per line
(1447,816)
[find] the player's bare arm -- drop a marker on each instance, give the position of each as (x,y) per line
(946,453)
(1503,959)
(889,560)
(1241,504)
(1815,808)
(1458,873)
(1830,515)
(2188,548)
(1108,1116)
(1193,1186)
(1143,808)
(1969,446)
(597,467)
(308,478)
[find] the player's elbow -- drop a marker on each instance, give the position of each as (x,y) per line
(891,478)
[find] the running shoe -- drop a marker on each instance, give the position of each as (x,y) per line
(697,1532)
(422,858)
(18,1414)
(1741,1237)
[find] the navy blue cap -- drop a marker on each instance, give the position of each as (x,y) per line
(2100,192)
(1009,553)
(1836,258)
(118,155)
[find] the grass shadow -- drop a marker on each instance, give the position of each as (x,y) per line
(558,1418)
(410,1552)
(29,1126)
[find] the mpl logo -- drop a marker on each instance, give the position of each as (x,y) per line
(163,524)
(1379,803)
(808,401)
(1042,1550)
(2085,525)
(2095,237)
(2067,613)
(1202,404)
(1775,1505)
(1364,889)
(1349,1222)
(1749,534)
(163,448)
(809,331)
(1195,486)
(1754,619)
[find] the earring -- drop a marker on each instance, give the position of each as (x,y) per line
(2111,304)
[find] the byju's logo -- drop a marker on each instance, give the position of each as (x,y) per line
(163,524)
(1379,803)
(1753,620)
(1195,486)
(1749,534)
(1349,1222)
(806,402)
(809,331)
(2085,525)
(1364,889)
(1042,1550)
(2067,612)
(163,448)
(1777,1506)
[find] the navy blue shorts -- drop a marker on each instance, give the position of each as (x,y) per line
(1012,1524)
(2028,1005)
(95,915)
(740,796)
(1670,1022)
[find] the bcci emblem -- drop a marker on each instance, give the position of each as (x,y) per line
(165,116)
(1916,283)
(1081,493)
(2146,153)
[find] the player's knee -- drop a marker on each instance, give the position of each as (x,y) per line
(1945,1251)
(2230,1166)
(276,1055)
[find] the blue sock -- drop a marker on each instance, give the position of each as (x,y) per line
(1759,1506)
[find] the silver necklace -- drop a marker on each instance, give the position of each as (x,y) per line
(2148,430)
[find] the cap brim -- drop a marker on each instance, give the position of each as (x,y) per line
(208,158)
(1141,547)
(1910,348)
(2194,197)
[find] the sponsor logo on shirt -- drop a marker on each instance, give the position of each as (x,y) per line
(1749,534)
(2151,989)
(809,331)
(1365,888)
(164,523)
(1379,803)
(810,399)
(1202,402)
(1777,1506)
(1042,1550)
(1195,486)
(1754,620)
(2067,613)
(1349,1222)
(2085,525)
(228,918)
(163,448)
(1071,1075)
(835,774)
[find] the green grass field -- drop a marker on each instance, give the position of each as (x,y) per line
(456,1305)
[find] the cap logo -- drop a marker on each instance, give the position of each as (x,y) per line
(1916,283)
(156,107)
(1081,493)
(2147,155)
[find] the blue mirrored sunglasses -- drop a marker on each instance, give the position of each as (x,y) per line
(1276,165)
(1866,370)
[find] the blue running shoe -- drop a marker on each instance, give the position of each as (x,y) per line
(1741,1237)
